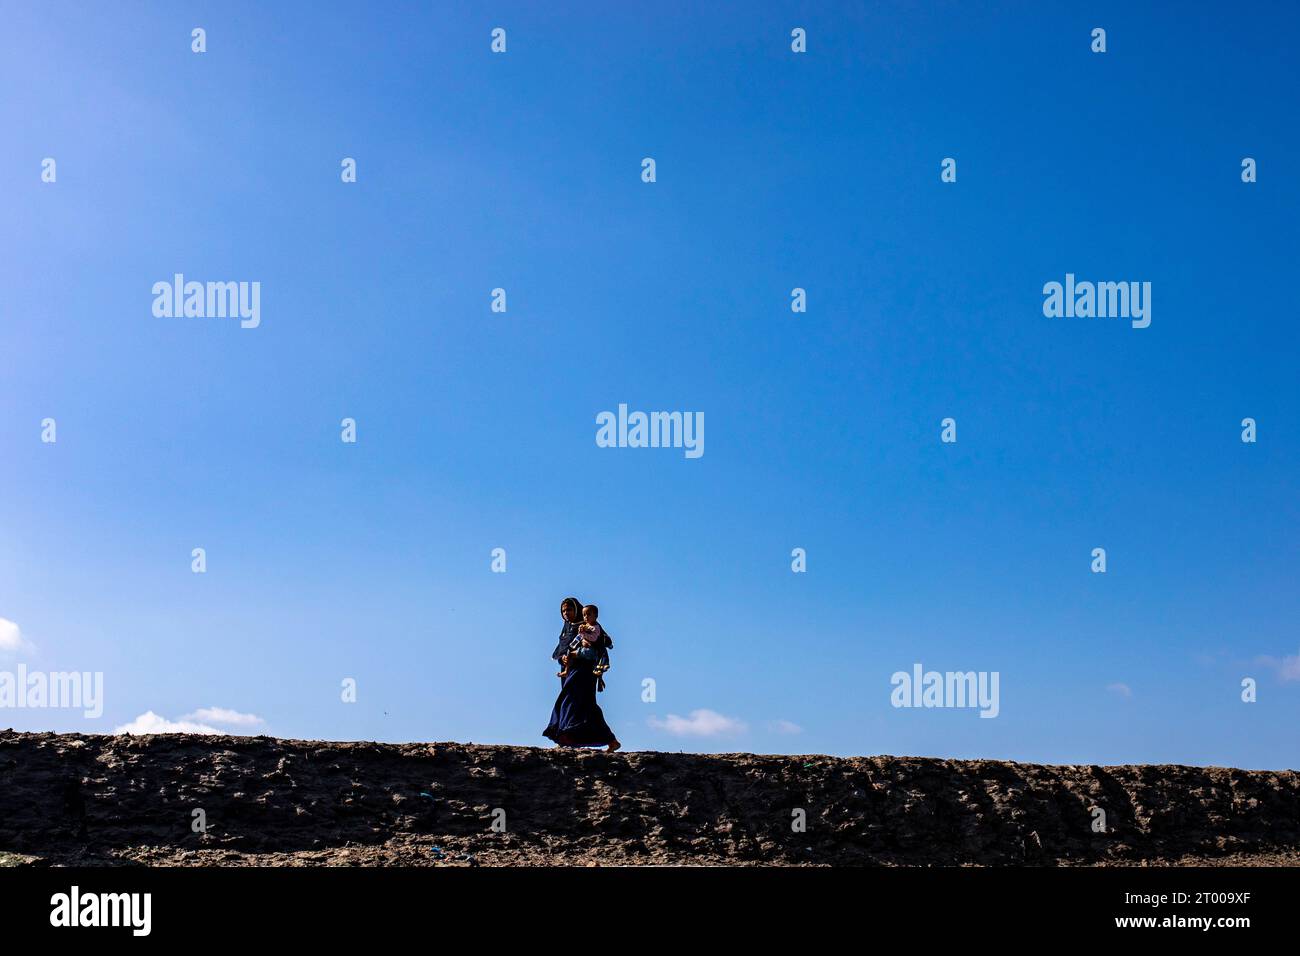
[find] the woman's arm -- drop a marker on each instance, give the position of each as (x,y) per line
(563,646)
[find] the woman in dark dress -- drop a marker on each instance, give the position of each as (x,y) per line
(576,719)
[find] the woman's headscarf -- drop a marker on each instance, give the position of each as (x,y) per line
(574,603)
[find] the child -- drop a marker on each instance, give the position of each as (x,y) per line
(589,631)
(590,644)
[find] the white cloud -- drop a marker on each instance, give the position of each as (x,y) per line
(223,715)
(1288,668)
(784,727)
(151,723)
(199,722)
(1122,689)
(11,637)
(701,723)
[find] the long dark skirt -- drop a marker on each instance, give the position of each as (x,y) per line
(576,719)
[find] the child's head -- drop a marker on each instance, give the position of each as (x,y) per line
(590,613)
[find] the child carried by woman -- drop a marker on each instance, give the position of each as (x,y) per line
(591,643)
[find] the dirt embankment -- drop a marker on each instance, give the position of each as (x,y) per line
(69,798)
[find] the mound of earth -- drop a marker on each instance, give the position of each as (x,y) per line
(180,799)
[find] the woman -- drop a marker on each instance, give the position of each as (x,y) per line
(576,720)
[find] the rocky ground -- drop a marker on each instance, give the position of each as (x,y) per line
(74,799)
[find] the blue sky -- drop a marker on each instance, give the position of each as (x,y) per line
(476,430)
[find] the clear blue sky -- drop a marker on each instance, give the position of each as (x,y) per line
(476,430)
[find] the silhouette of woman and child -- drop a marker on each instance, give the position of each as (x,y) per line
(583,655)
